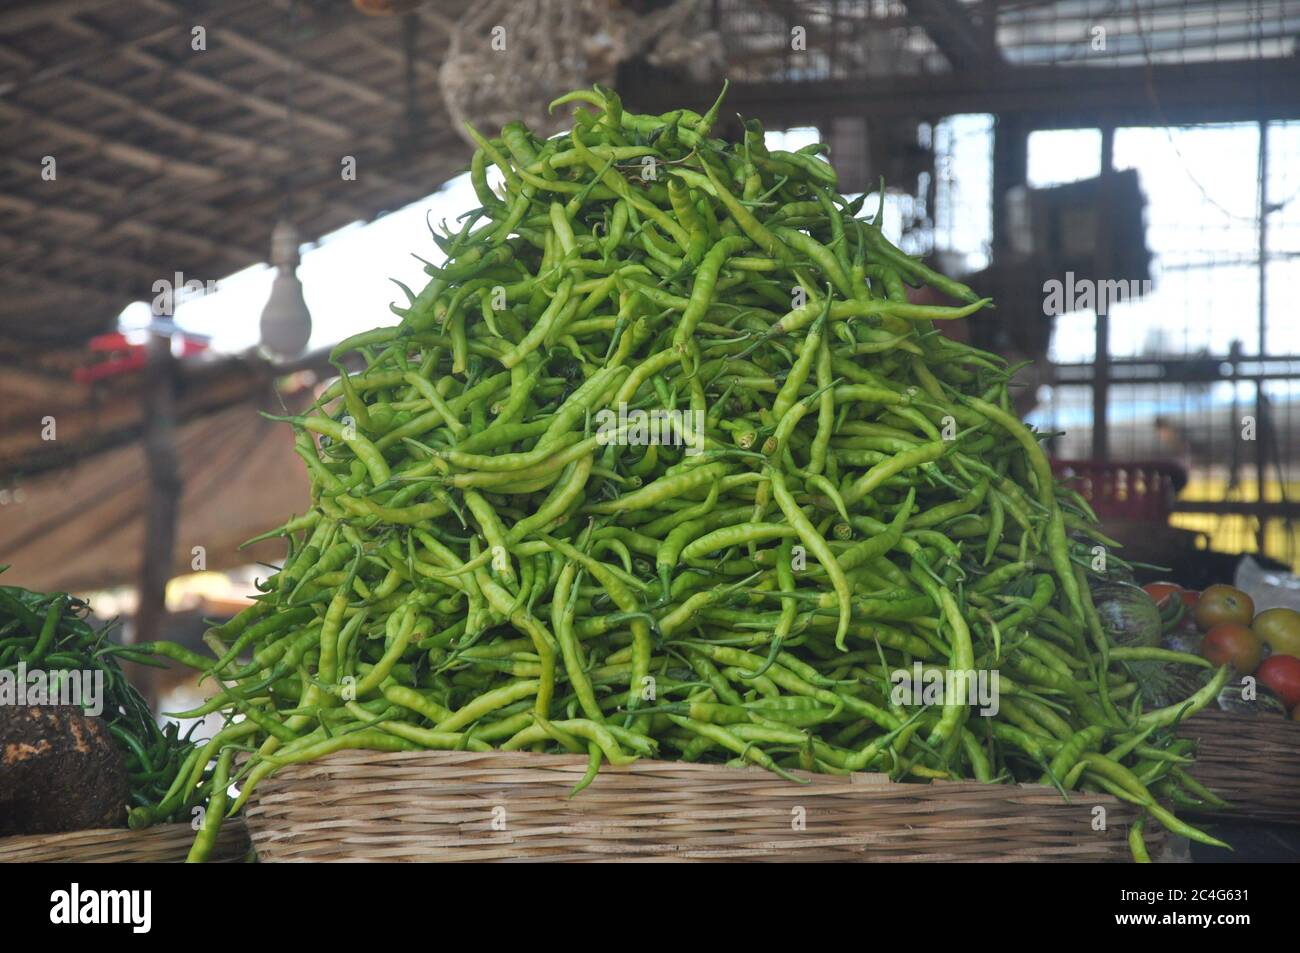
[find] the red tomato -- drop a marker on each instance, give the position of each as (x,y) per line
(1230,643)
(1158,590)
(1281,673)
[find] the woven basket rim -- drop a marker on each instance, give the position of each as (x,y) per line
(648,766)
(1264,722)
(725,775)
(436,805)
(1252,761)
(159,843)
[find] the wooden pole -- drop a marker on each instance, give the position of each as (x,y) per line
(1105,257)
(161,504)
(1263,424)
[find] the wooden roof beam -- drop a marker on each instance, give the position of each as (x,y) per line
(442,22)
(279,58)
(357,28)
(324,169)
(34,279)
(199,82)
(948,25)
(131,227)
(394,55)
(137,273)
(122,152)
(29,302)
(53,287)
(273,56)
(92,426)
(266,107)
(36,73)
(179,129)
(315,197)
(27,208)
(1049,97)
(23,16)
(269,181)
(324,190)
(24,169)
(253,103)
(32,385)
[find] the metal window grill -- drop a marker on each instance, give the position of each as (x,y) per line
(1212,344)
(1205,369)
(849,39)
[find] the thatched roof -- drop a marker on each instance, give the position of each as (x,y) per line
(168,158)
(84,527)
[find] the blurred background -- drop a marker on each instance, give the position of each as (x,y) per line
(198,198)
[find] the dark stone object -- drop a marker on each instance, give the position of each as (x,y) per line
(60,770)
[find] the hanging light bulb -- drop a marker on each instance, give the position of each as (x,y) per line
(286,322)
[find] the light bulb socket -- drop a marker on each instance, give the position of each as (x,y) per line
(284,245)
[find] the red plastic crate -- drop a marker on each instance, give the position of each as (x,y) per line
(1142,490)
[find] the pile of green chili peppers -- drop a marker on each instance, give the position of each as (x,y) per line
(47,633)
(498,559)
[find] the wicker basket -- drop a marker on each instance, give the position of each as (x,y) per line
(164,844)
(466,806)
(1252,762)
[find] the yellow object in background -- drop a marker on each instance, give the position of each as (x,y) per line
(1233,533)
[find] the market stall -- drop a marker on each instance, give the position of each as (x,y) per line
(836,516)
(688,505)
